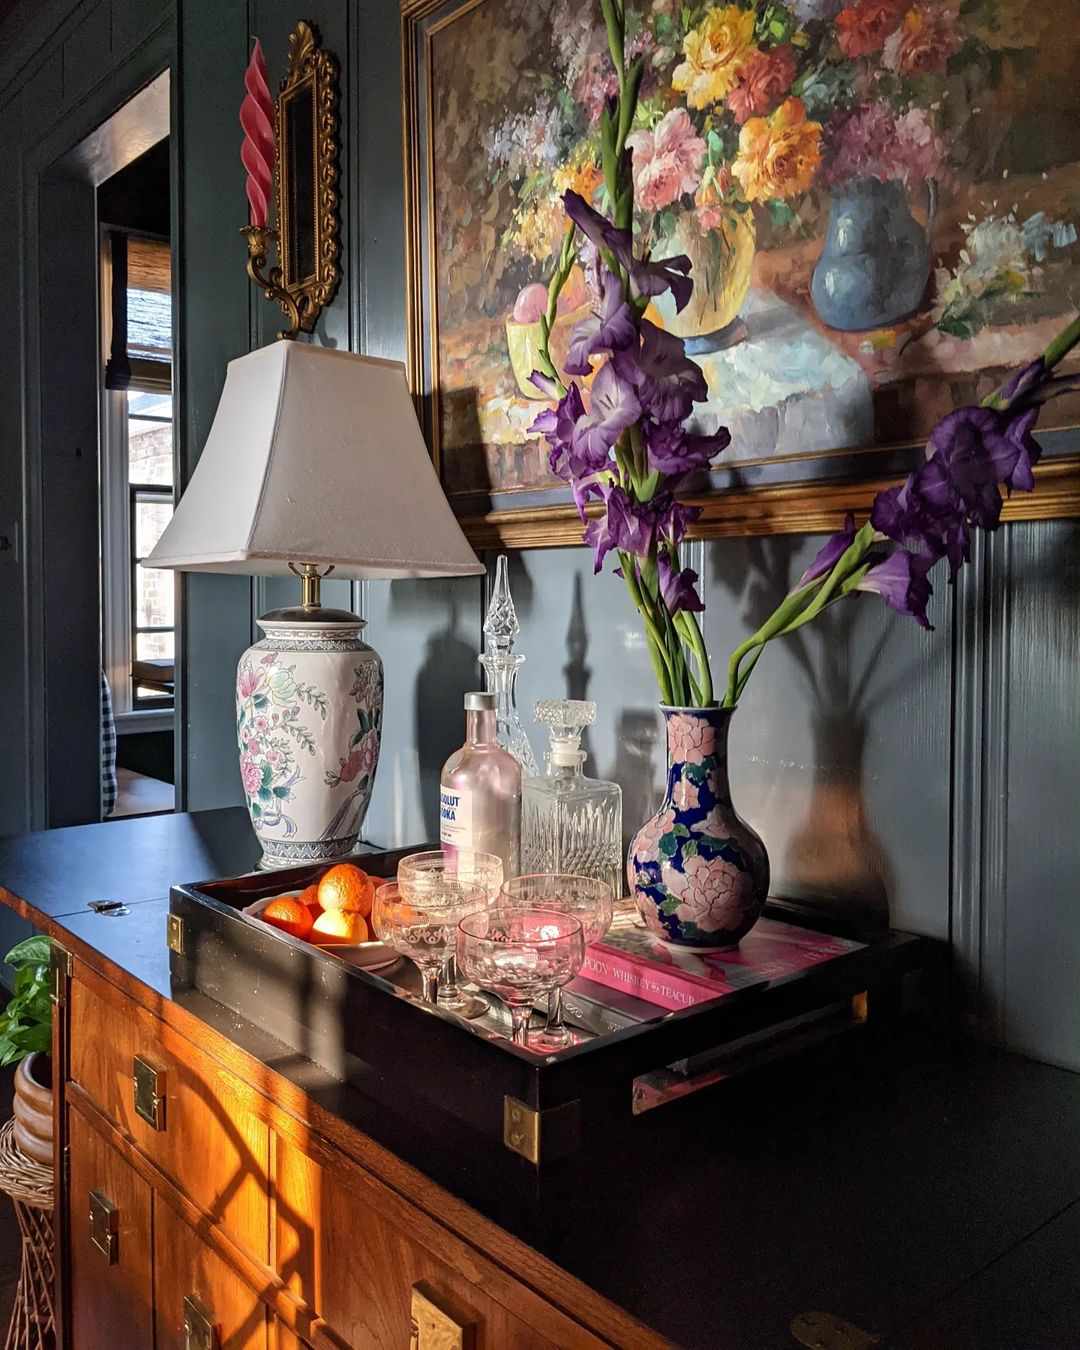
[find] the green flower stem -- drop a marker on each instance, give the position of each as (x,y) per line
(1057,350)
(798,607)
(689,628)
(657,648)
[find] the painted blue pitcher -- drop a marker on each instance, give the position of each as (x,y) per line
(875,264)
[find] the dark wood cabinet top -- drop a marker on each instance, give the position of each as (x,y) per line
(876,1183)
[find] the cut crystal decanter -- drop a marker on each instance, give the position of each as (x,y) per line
(501,667)
(570,823)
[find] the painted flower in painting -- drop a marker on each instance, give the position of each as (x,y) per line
(667,161)
(779,155)
(765,78)
(863,27)
(928,35)
(714,53)
(710,199)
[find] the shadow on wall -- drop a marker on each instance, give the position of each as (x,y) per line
(833,854)
(448,672)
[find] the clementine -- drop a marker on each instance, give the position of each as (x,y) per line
(310,896)
(346,887)
(336,926)
(288,914)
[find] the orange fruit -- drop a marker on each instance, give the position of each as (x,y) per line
(310,896)
(335,926)
(346,887)
(288,914)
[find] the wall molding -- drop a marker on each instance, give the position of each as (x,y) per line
(791,508)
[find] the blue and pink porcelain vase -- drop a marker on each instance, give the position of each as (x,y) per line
(698,873)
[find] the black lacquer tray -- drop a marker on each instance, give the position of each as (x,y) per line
(370,1030)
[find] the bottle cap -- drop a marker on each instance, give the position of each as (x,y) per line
(477,702)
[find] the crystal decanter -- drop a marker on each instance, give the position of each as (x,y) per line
(501,668)
(570,823)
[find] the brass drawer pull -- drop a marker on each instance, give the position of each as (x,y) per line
(149,1093)
(199,1330)
(433,1329)
(105,1227)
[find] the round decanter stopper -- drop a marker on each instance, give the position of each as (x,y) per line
(565,719)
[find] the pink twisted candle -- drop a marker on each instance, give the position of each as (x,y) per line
(257,151)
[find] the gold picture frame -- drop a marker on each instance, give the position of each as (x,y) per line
(800,492)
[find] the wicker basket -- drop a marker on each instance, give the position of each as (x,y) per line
(30,1186)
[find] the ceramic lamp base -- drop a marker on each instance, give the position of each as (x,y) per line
(309,700)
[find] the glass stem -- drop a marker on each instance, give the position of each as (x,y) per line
(448,985)
(519,1023)
(555,1010)
(429,977)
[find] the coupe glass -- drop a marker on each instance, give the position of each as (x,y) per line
(422,930)
(452,877)
(521,955)
(587,899)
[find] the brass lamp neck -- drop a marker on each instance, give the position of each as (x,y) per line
(310,583)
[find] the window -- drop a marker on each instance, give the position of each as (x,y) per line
(150,496)
(138,604)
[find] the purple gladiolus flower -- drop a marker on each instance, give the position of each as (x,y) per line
(833,550)
(679,589)
(668,383)
(972,451)
(598,229)
(1025,381)
(666,274)
(902,583)
(609,330)
(557,425)
(675,452)
(613,406)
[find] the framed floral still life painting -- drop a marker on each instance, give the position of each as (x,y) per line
(880,200)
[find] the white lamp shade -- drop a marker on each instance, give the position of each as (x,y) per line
(315,456)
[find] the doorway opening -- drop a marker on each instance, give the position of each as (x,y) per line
(138,485)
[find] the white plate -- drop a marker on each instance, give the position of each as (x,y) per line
(368,955)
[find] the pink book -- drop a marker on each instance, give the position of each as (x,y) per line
(632,960)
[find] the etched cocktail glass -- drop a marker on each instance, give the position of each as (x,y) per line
(588,899)
(462,877)
(422,930)
(521,955)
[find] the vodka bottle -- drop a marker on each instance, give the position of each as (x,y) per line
(501,665)
(480,790)
(570,823)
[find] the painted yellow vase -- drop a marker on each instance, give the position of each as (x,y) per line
(722,260)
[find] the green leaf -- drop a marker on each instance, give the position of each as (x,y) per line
(681,831)
(281,792)
(256,810)
(669,845)
(265,794)
(781,214)
(267,775)
(9,1052)
(30,1038)
(670,905)
(31,951)
(690,849)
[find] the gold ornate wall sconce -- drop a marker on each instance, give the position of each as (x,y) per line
(304,118)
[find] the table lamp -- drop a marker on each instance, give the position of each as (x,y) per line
(315,463)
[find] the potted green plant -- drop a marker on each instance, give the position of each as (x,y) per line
(25,1040)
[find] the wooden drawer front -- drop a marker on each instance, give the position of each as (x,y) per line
(357,1268)
(111,1296)
(213,1148)
(185,1268)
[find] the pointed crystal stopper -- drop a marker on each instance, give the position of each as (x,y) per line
(501,625)
(501,666)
